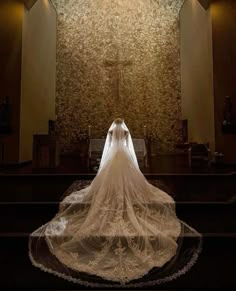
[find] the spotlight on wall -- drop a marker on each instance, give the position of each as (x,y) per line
(29,3)
(205,3)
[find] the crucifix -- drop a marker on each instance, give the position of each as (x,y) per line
(117,64)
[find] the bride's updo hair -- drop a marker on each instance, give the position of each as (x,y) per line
(118,121)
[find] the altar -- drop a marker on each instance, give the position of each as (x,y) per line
(96,147)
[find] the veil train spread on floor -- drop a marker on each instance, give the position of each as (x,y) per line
(119,231)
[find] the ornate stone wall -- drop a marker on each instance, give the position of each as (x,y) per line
(118,58)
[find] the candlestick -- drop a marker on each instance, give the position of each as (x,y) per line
(145,130)
(89,131)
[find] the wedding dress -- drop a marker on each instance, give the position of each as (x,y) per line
(119,231)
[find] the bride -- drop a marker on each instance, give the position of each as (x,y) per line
(119,231)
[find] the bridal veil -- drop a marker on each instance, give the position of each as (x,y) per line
(120,231)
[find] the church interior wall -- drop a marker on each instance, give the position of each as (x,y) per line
(11,17)
(223,14)
(38,74)
(197,72)
(144,37)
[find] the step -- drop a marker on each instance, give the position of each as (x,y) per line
(183,187)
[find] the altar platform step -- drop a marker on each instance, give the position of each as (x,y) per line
(214,269)
(205,217)
(182,187)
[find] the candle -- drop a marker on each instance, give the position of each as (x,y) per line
(89,131)
(144,130)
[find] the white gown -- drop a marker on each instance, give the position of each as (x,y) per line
(119,231)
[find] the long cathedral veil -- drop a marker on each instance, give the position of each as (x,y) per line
(120,231)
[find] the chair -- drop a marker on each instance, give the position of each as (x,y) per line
(198,153)
(46,151)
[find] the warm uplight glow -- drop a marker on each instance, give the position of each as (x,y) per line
(216,10)
(16,12)
(46,3)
